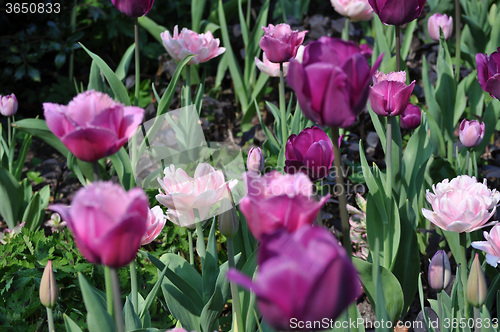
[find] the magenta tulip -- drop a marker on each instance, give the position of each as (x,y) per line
(133,8)
(397,12)
(440,21)
(471,133)
(309,152)
(8,105)
(355,10)
(332,81)
(203,45)
(280,43)
(305,276)
(93,125)
(155,224)
(107,223)
(276,201)
(491,246)
(488,72)
(461,205)
(389,94)
(411,117)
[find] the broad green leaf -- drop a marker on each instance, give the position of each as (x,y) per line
(122,69)
(152,294)
(38,128)
(152,27)
(98,319)
(11,196)
(123,167)
(132,321)
(70,325)
(210,268)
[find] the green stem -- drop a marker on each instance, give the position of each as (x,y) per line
(95,167)
(133,286)
(9,134)
(191,251)
(477,318)
(474,163)
(468,165)
(200,244)
(462,260)
(440,317)
(398,48)
(109,290)
(284,135)
(345,31)
(115,284)
(137,61)
(50,320)
(234,288)
(249,11)
(346,240)
(457,40)
(388,188)
(188,85)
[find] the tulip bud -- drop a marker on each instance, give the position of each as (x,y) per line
(438,21)
(228,219)
(439,271)
(471,133)
(255,160)
(48,287)
(8,105)
(476,284)
(411,117)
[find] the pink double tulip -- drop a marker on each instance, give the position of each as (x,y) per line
(155,224)
(305,276)
(411,117)
(389,94)
(461,205)
(440,21)
(397,12)
(180,45)
(309,152)
(93,125)
(275,201)
(280,43)
(108,224)
(488,72)
(183,194)
(133,8)
(355,10)
(471,133)
(8,105)
(491,246)
(332,81)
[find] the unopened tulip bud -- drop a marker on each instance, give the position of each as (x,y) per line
(133,8)
(440,21)
(48,287)
(439,271)
(476,284)
(229,223)
(411,117)
(471,133)
(8,105)
(255,160)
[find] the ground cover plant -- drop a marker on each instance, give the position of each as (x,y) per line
(250,165)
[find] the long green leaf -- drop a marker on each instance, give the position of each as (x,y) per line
(122,69)
(98,318)
(38,128)
(152,27)
(70,325)
(11,196)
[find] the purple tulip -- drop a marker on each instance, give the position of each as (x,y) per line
(309,152)
(107,223)
(280,43)
(471,133)
(305,276)
(411,117)
(276,201)
(440,21)
(332,81)
(93,125)
(488,72)
(397,12)
(8,105)
(133,8)
(439,271)
(255,160)
(389,94)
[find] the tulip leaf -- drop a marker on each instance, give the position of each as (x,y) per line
(152,27)
(210,267)
(445,89)
(393,294)
(122,164)
(11,196)
(132,321)
(38,128)
(70,325)
(490,120)
(35,211)
(405,48)
(96,81)
(122,69)
(119,90)
(213,309)
(98,318)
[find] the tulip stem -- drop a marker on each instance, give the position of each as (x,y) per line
(398,48)
(457,40)
(474,163)
(346,240)
(9,135)
(345,31)
(133,286)
(468,165)
(200,242)
(234,288)
(284,135)
(388,165)
(190,243)
(95,167)
(477,318)
(109,290)
(188,86)
(137,61)
(50,320)
(115,284)
(462,260)
(440,303)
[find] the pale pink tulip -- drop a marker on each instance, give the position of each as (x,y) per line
(461,205)
(356,10)
(183,194)
(180,45)
(491,246)
(442,21)
(8,105)
(156,222)
(471,133)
